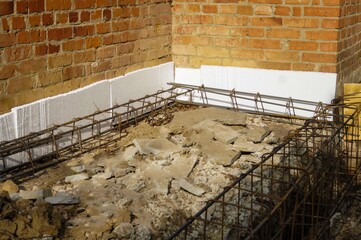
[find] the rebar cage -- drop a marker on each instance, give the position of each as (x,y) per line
(292,193)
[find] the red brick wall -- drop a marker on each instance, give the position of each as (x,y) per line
(49,47)
(349,58)
(270,34)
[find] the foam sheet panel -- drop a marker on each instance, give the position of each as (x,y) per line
(7,132)
(311,86)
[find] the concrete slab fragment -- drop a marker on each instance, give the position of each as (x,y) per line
(155,146)
(76,178)
(191,188)
(221,133)
(219,153)
(35,194)
(63,198)
(181,166)
(241,144)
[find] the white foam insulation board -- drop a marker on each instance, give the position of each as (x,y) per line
(311,86)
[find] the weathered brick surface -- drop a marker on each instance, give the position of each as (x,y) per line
(49,47)
(279,34)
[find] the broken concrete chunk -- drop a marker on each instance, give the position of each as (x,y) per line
(181,166)
(63,198)
(220,153)
(129,153)
(76,177)
(105,175)
(256,134)
(132,183)
(191,188)
(241,144)
(157,176)
(156,146)
(190,118)
(124,230)
(78,169)
(35,194)
(221,133)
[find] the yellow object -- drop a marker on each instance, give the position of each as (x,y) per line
(352,94)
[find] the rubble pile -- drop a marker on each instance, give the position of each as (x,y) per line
(162,176)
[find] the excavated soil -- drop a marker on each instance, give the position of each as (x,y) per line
(161,176)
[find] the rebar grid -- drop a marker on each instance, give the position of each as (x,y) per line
(290,194)
(294,190)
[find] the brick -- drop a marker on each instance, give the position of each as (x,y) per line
(213,52)
(247,53)
(73,72)
(62,17)
(96,15)
(83,31)
(7,39)
(41,50)
(84,16)
(73,17)
(297,11)
(282,11)
(102,28)
(83,4)
(275,65)
(245,10)
(84,56)
(329,47)
(19,84)
(330,23)
(5,25)
(322,35)
(263,10)
(303,67)
(302,45)
(101,66)
(53,48)
(301,23)
(265,43)
(32,66)
(6,7)
(92,42)
(36,6)
(281,56)
(73,45)
(120,26)
(322,11)
(210,8)
(228,9)
(227,42)
(34,20)
(19,53)
(6,104)
(332,2)
(48,78)
(58,5)
(299,2)
(60,33)
(319,57)
(60,61)
(267,21)
(283,33)
(7,71)
(266,1)
(107,14)
(106,3)
(184,50)
(120,61)
(31,36)
(248,32)
(47,19)
(331,68)
(18,23)
(191,40)
(22,6)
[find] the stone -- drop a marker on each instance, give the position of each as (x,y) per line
(129,153)
(105,175)
(9,186)
(157,176)
(191,188)
(220,153)
(121,172)
(14,196)
(187,119)
(63,198)
(142,232)
(221,133)
(181,166)
(76,177)
(35,194)
(241,144)
(256,134)
(125,230)
(156,146)
(78,169)
(132,183)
